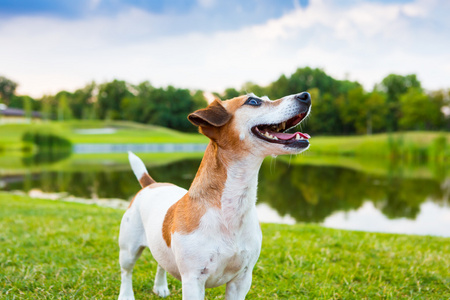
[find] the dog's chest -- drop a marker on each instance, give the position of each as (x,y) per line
(235,252)
(214,253)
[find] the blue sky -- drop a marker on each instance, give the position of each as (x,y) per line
(83,8)
(52,45)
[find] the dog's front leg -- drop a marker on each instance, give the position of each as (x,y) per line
(193,287)
(238,288)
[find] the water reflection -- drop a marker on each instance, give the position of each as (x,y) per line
(40,158)
(306,193)
(311,193)
(109,183)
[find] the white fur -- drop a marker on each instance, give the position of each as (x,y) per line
(141,227)
(227,243)
(226,237)
(137,165)
(248,117)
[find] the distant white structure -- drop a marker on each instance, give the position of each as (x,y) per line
(16,115)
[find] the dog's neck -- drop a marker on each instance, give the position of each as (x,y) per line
(227,181)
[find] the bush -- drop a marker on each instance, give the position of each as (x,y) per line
(47,142)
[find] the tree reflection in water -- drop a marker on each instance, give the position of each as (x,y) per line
(311,193)
(308,193)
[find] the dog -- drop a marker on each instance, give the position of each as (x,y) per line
(210,235)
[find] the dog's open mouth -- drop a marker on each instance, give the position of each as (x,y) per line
(276,133)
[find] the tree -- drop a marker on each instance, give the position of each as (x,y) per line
(109,99)
(278,88)
(419,111)
(46,107)
(362,112)
(376,112)
(199,100)
(250,87)
(394,86)
(324,118)
(64,112)
(22,101)
(82,102)
(7,89)
(230,93)
(351,110)
(440,104)
(165,107)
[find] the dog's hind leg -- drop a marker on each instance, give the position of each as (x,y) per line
(131,247)
(160,288)
(127,260)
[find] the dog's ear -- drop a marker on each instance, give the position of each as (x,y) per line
(215,115)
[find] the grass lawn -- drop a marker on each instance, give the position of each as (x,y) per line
(58,250)
(377,145)
(126,132)
(409,146)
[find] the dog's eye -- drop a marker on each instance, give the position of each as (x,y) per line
(253,101)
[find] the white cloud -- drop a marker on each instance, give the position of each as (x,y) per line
(365,40)
(432,220)
(206,3)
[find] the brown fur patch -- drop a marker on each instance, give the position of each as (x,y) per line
(206,190)
(146,180)
(214,115)
(183,217)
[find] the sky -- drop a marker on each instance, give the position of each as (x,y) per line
(51,45)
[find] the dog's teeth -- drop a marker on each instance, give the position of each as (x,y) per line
(268,135)
(283,125)
(297,137)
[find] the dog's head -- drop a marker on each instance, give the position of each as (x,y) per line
(257,125)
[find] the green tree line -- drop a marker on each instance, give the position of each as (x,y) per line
(344,107)
(115,100)
(340,107)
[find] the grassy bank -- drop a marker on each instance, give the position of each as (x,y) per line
(409,146)
(124,132)
(56,250)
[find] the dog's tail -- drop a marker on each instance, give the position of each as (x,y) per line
(140,170)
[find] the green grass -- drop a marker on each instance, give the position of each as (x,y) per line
(375,166)
(58,250)
(408,146)
(127,132)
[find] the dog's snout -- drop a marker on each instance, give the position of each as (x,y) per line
(304,97)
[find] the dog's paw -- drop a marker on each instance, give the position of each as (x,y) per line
(161,291)
(126,297)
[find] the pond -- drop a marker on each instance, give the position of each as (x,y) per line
(339,196)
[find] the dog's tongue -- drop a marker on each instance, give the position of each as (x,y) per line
(288,136)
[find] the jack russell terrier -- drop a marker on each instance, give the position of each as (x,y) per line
(210,235)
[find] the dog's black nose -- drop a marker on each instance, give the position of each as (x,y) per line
(304,97)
